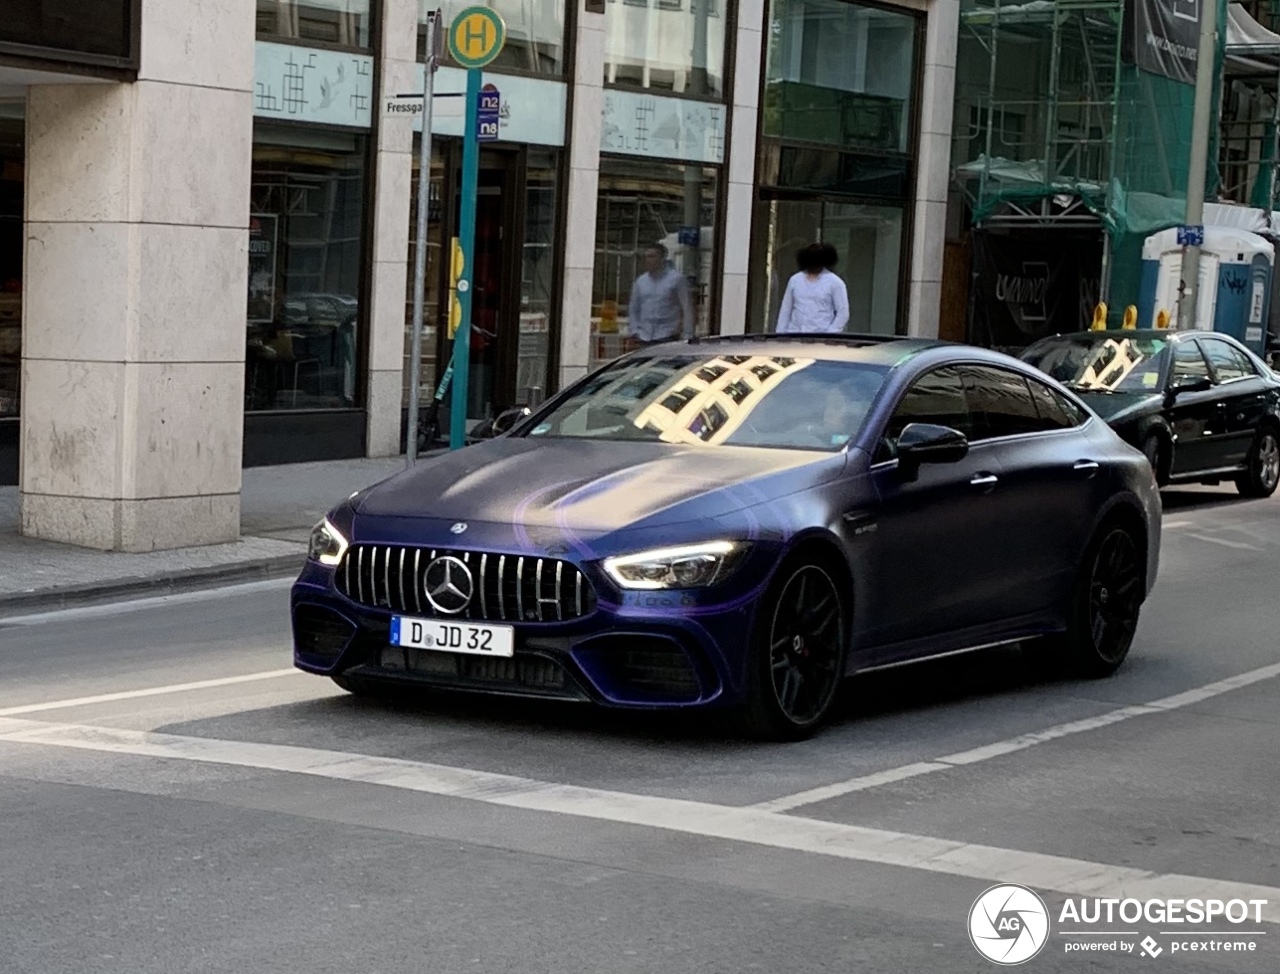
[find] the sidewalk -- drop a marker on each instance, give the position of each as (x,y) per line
(279,505)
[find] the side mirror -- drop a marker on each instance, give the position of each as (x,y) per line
(929,443)
(1190,384)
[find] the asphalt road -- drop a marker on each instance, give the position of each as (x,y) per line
(263,821)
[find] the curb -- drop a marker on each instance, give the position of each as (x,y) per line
(145,587)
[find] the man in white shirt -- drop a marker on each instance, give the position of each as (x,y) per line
(661,306)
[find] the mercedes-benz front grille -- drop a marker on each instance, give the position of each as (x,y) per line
(502,587)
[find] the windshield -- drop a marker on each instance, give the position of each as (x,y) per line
(1103,363)
(721,400)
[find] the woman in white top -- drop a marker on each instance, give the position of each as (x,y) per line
(816,300)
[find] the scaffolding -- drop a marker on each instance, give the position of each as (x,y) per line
(1057,128)
(1250,115)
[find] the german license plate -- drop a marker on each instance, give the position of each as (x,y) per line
(453,637)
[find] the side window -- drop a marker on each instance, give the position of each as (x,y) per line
(1188,364)
(1227,363)
(1055,411)
(1001,403)
(936,397)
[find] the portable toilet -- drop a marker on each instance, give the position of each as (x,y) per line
(1236,269)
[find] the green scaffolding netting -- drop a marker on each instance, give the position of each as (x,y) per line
(1050,109)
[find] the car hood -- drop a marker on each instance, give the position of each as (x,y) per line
(593,486)
(1117,407)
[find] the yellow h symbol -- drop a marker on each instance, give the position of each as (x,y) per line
(475,35)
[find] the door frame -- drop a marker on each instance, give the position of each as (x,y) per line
(510,162)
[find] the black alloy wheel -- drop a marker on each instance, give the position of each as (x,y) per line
(1262,474)
(1108,601)
(799,662)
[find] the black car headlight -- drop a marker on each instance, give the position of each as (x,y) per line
(688,566)
(327,545)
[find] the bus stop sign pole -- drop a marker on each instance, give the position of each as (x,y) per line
(476,36)
(435,35)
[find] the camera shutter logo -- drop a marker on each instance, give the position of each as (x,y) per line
(1009,924)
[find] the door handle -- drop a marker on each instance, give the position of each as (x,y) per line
(1086,466)
(987,480)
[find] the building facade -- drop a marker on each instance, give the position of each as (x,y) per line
(208,227)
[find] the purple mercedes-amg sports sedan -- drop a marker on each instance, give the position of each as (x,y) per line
(741,522)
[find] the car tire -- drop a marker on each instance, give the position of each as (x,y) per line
(1153,447)
(1262,471)
(798,652)
(1105,603)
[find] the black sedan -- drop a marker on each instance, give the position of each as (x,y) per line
(740,523)
(1200,405)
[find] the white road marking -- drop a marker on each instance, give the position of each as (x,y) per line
(151,602)
(1175,524)
(224,681)
(999,748)
(1222,541)
(1075,877)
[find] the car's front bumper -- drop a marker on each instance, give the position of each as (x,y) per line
(633,655)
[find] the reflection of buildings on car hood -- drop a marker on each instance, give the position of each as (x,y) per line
(709,401)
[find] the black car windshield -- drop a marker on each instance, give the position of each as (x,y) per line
(721,400)
(1103,362)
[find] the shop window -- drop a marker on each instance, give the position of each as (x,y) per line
(666,45)
(306,249)
(11,244)
(840,73)
(655,235)
(344,23)
(868,242)
(535,32)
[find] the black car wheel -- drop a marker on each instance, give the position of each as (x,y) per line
(1262,474)
(1154,449)
(1105,604)
(798,655)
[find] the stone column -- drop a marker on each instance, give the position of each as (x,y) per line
(137,208)
(393,174)
(583,142)
(933,167)
(741,187)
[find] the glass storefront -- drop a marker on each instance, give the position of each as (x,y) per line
(344,23)
(516,254)
(11,244)
(535,32)
(868,241)
(306,250)
(839,74)
(666,45)
(836,155)
(654,257)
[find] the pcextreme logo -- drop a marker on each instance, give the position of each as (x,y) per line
(1009,924)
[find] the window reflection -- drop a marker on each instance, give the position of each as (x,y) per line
(667,45)
(840,74)
(305,247)
(11,244)
(653,220)
(756,401)
(341,22)
(535,32)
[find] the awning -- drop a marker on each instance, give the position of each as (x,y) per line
(1250,47)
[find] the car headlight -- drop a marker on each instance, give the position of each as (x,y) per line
(327,544)
(689,566)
